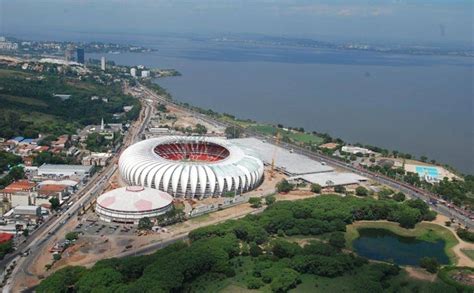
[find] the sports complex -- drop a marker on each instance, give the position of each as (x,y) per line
(191,167)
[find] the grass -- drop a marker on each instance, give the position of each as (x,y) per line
(422,231)
(469,253)
(11,73)
(23,100)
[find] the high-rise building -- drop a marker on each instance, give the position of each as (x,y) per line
(69,53)
(133,72)
(80,55)
(102,63)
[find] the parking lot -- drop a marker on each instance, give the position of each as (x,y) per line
(91,225)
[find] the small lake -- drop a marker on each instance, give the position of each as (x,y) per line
(381,244)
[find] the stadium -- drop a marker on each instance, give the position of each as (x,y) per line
(129,204)
(191,167)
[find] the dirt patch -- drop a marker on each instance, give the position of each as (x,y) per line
(420,274)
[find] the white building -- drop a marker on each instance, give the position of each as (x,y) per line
(130,204)
(102,63)
(133,72)
(145,73)
(64,171)
(356,150)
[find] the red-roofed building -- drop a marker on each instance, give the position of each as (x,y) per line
(20,192)
(4,237)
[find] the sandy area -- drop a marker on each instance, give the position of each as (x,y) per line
(420,274)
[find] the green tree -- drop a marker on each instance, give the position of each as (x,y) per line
(145,224)
(399,196)
(340,189)
(430,264)
(316,188)
(337,240)
(233,132)
(255,250)
(270,199)
(62,281)
(54,201)
(255,202)
(72,236)
(284,186)
(26,232)
(361,191)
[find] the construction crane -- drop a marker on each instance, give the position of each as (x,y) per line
(277,143)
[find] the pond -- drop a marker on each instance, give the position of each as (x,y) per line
(381,244)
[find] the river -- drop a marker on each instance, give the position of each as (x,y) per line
(421,105)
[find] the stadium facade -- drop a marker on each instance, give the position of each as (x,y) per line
(191,167)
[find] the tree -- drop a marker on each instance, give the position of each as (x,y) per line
(361,191)
(340,189)
(255,202)
(145,224)
(399,196)
(200,129)
(72,236)
(54,201)
(233,132)
(430,264)
(423,158)
(26,232)
(270,199)
(17,173)
(408,217)
(316,188)
(287,279)
(62,280)
(255,250)
(284,186)
(337,240)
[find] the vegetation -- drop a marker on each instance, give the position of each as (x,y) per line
(29,106)
(340,189)
(361,191)
(399,196)
(270,199)
(54,201)
(217,253)
(465,235)
(430,264)
(316,188)
(6,247)
(457,277)
(71,236)
(15,173)
(145,224)
(255,202)
(284,186)
(233,132)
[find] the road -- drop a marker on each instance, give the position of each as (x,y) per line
(451,211)
(94,187)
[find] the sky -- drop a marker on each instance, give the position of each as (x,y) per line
(415,21)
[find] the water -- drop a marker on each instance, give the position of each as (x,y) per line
(415,104)
(381,244)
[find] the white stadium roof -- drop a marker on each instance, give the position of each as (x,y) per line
(291,163)
(134,199)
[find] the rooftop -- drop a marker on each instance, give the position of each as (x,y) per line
(20,185)
(331,178)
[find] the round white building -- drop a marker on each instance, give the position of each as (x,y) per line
(130,204)
(191,167)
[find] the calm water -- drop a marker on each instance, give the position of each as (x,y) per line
(381,244)
(417,104)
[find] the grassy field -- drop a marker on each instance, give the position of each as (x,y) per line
(9,73)
(422,231)
(23,100)
(469,253)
